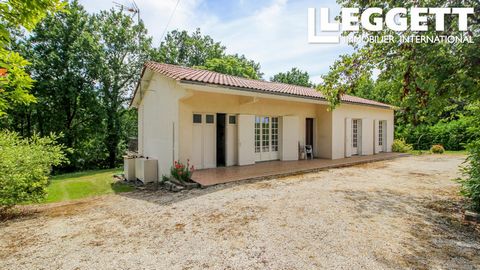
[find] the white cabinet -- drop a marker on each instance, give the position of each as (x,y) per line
(146,169)
(129,168)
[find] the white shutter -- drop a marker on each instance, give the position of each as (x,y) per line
(246,139)
(348,137)
(290,128)
(367,137)
(376,136)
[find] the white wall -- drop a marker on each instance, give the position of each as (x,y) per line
(158,122)
(367,114)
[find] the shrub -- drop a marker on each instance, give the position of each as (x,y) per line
(471,176)
(399,145)
(181,171)
(451,134)
(24,167)
(437,149)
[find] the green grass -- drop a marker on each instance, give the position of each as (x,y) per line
(79,185)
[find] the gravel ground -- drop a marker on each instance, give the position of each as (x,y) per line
(402,213)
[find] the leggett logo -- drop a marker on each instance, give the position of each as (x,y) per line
(395,19)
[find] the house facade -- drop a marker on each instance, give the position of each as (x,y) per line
(217,120)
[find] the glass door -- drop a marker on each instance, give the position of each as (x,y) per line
(266,138)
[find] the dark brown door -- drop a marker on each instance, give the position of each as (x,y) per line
(309,131)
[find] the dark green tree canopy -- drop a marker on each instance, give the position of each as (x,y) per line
(294,76)
(180,48)
(234,65)
(201,51)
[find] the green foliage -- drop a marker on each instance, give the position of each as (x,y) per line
(400,146)
(180,48)
(25,165)
(15,14)
(234,65)
(471,176)
(452,134)
(201,51)
(294,76)
(181,171)
(126,46)
(437,149)
(427,81)
(85,67)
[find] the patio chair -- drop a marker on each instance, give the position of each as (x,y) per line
(308,152)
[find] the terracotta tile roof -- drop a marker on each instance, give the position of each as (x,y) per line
(204,76)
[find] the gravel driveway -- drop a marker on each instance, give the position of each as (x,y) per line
(402,213)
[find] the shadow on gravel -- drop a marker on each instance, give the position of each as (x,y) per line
(437,237)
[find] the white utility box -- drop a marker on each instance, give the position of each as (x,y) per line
(146,169)
(129,168)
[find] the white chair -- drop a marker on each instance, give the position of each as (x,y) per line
(308,152)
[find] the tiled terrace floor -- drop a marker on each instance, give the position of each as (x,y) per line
(215,176)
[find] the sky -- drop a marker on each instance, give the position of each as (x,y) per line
(271,32)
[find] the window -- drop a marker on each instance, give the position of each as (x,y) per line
(232,119)
(355,133)
(265,134)
(197,118)
(210,119)
(380,133)
(274,134)
(257,134)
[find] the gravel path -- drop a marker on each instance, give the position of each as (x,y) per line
(396,214)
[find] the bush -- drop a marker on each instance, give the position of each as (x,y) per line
(24,167)
(451,134)
(181,171)
(437,149)
(471,172)
(399,145)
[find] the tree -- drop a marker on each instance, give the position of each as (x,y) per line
(432,76)
(180,48)
(201,51)
(234,65)
(125,48)
(65,56)
(428,81)
(14,81)
(294,76)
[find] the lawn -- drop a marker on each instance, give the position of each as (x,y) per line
(79,185)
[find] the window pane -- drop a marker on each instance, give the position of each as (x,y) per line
(197,118)
(232,119)
(210,119)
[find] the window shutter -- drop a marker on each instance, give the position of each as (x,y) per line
(348,137)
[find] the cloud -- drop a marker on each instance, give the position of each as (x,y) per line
(273,33)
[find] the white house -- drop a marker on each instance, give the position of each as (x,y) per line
(216,120)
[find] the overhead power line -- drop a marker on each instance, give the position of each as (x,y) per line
(169,20)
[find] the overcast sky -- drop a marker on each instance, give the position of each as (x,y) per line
(272,32)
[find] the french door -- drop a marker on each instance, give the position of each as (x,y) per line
(266,138)
(356,139)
